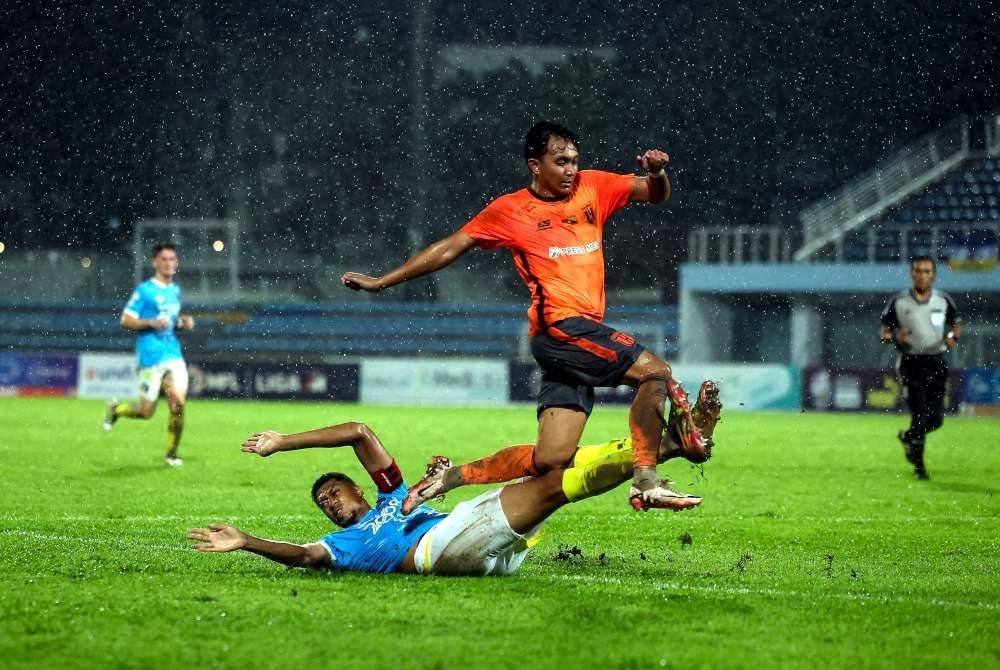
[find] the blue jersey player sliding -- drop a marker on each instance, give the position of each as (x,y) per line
(154,311)
(488,535)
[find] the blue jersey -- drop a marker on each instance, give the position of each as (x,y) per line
(378,542)
(153,300)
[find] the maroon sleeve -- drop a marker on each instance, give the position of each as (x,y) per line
(387,479)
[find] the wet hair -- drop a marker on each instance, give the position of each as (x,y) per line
(918,259)
(536,142)
(336,476)
(160,246)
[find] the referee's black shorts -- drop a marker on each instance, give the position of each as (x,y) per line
(576,355)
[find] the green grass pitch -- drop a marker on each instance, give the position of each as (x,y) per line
(814,548)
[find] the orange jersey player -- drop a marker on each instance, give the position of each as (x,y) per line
(554,229)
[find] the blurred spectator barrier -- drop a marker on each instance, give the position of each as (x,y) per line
(31,374)
(454,382)
(981,386)
(864,390)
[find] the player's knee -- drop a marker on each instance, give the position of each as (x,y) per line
(554,492)
(550,459)
(177,407)
(657,373)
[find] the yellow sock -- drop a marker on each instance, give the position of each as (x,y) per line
(175,426)
(127,409)
(598,468)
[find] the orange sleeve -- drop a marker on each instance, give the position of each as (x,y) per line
(613,190)
(487,229)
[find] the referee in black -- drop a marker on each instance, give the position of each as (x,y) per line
(923,323)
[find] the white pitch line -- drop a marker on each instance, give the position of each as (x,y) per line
(192,518)
(125,544)
(738,591)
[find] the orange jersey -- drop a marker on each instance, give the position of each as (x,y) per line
(557,244)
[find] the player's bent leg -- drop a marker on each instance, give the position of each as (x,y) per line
(649,370)
(146,409)
(175,427)
(475,539)
(528,503)
(559,430)
(507,464)
(597,468)
(114,410)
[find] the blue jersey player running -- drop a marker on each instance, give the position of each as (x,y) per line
(488,535)
(154,311)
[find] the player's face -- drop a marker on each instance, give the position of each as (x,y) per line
(165,263)
(342,503)
(556,171)
(922,274)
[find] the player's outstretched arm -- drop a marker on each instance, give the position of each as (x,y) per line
(367,447)
(220,538)
(438,255)
(655,186)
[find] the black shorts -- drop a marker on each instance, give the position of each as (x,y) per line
(576,355)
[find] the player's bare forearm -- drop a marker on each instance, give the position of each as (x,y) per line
(436,256)
(367,447)
(655,186)
(659,188)
(222,538)
(286,553)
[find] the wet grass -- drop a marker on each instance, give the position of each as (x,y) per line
(814,548)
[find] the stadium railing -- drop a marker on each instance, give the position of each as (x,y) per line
(320,330)
(870,196)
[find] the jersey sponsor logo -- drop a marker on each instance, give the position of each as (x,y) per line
(558,252)
(623,338)
(385,514)
(544,224)
(588,211)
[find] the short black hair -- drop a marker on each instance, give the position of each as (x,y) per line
(536,142)
(918,259)
(323,479)
(160,246)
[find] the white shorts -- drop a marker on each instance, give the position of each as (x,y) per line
(475,539)
(151,379)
